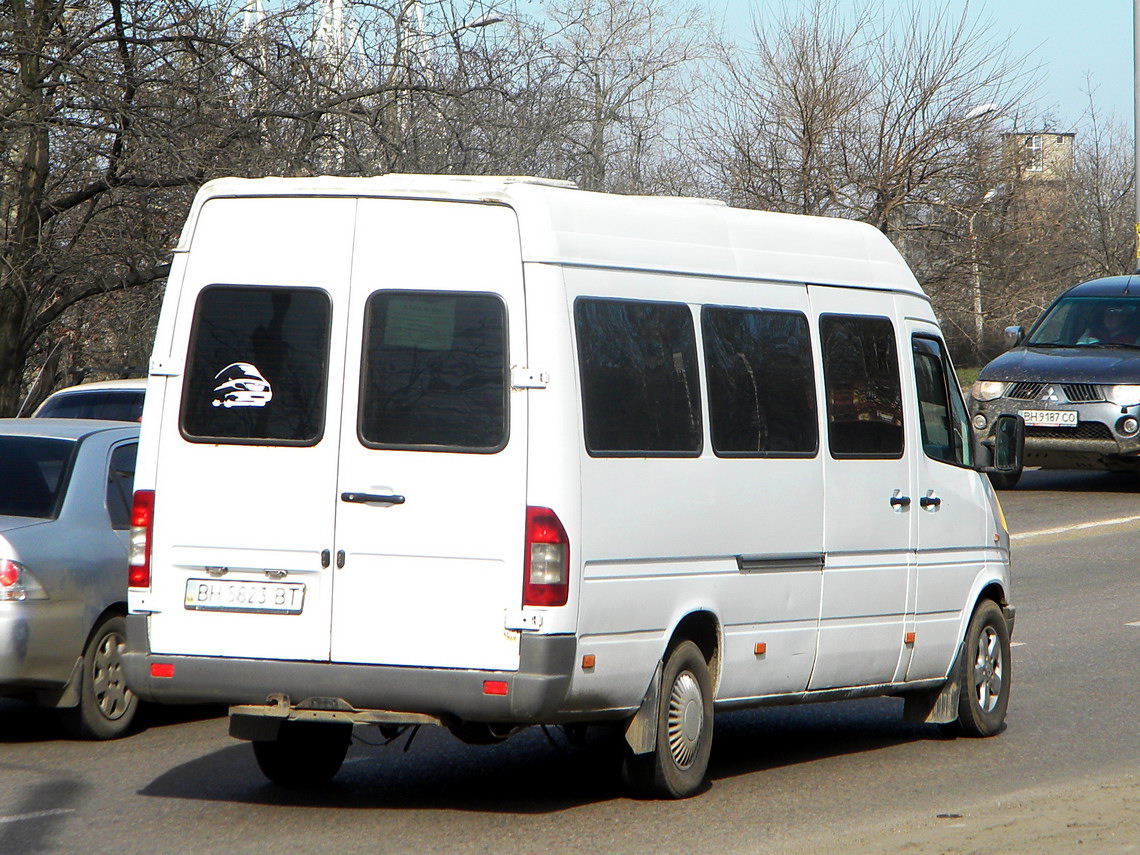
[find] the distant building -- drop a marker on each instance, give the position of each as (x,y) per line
(1039,155)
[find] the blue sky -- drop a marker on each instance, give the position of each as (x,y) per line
(1068,40)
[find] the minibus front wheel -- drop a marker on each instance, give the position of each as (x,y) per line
(984,673)
(676,767)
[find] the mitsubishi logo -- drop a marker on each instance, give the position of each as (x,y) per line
(1050,394)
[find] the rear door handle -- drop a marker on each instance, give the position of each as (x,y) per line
(901,501)
(372,498)
(930,502)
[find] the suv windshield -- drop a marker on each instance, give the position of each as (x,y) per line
(1084,321)
(32,471)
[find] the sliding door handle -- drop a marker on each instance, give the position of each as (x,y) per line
(372,498)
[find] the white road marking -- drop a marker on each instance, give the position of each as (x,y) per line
(1017,644)
(35,814)
(1045,532)
(1133,623)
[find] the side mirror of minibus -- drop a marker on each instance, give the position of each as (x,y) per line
(1013,336)
(1004,453)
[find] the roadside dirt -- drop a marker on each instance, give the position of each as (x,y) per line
(1098,818)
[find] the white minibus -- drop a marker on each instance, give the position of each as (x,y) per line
(490,452)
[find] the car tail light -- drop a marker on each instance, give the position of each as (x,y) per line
(142,527)
(546,579)
(18,584)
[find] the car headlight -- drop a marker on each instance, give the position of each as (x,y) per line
(986,390)
(1123,395)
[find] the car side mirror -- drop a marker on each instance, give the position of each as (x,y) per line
(1005,452)
(1013,336)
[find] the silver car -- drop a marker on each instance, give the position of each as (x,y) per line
(65,504)
(116,400)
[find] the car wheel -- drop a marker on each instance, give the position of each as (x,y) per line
(304,754)
(676,768)
(984,673)
(106,706)
(1005,480)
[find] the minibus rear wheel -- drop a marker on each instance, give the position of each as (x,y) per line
(676,768)
(303,754)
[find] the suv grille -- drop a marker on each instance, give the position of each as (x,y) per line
(1085,430)
(1082,392)
(1024,391)
(1078,393)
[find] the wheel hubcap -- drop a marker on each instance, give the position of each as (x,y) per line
(111,692)
(988,670)
(686,719)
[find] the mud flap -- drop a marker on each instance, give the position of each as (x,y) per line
(641,730)
(936,706)
(67,696)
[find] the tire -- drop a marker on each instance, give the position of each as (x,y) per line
(1005,480)
(676,768)
(107,706)
(304,754)
(984,673)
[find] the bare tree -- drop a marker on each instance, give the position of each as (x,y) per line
(621,65)
(890,119)
(1102,199)
(778,109)
(113,111)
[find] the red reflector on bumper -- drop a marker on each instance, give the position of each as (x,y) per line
(495,687)
(162,669)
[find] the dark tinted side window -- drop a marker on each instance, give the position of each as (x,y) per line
(435,372)
(257,367)
(942,414)
(640,388)
(761,383)
(861,379)
(121,485)
(32,471)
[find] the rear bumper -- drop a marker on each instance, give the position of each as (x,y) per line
(534,693)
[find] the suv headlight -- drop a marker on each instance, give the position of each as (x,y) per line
(986,390)
(1123,395)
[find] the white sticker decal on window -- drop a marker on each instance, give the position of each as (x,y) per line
(240,384)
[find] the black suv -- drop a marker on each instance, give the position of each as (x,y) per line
(1075,380)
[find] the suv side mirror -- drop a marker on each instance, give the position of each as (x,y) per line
(1004,453)
(1013,336)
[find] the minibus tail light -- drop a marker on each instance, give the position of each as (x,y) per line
(546,580)
(142,528)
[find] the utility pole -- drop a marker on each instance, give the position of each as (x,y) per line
(1136,118)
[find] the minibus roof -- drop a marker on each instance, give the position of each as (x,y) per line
(560,224)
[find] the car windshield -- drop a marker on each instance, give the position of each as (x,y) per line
(32,470)
(1089,321)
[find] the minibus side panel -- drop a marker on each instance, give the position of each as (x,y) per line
(869,538)
(952,528)
(665,535)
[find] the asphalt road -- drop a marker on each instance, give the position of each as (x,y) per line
(787,780)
